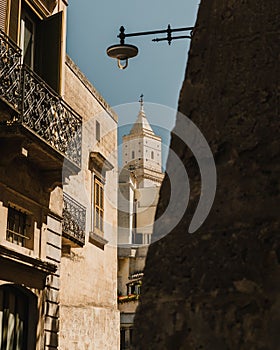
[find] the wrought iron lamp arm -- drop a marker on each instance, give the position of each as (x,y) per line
(122,35)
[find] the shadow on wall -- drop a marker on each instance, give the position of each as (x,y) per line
(219,288)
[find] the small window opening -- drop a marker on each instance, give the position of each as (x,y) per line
(97,131)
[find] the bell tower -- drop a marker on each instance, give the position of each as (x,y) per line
(141,152)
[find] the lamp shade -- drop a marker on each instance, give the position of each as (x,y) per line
(122,51)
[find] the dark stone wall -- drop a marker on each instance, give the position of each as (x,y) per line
(219,288)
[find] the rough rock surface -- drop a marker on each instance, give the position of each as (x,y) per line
(219,288)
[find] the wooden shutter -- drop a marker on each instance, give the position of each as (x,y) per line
(3,9)
(14,19)
(49,48)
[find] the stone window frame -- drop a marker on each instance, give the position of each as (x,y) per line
(98,165)
(36,212)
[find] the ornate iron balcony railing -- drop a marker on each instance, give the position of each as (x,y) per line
(10,58)
(39,108)
(74,220)
(46,114)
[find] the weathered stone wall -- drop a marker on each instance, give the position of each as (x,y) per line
(90,327)
(220,287)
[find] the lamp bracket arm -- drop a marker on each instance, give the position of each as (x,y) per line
(172,38)
(122,35)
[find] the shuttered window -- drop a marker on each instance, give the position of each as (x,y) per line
(14,22)
(98,205)
(49,58)
(40,41)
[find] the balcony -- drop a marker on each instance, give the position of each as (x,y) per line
(35,117)
(74,222)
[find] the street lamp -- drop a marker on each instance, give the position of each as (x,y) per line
(122,51)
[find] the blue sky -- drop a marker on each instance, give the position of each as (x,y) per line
(157,71)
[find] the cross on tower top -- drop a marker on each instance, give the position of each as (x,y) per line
(141,102)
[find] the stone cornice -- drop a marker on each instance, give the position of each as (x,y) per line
(141,135)
(46,267)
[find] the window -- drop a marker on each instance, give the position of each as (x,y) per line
(141,238)
(147,239)
(152,154)
(123,343)
(98,205)
(130,334)
(40,41)
(137,238)
(97,130)
(133,288)
(17,228)
(126,338)
(27,39)
(132,154)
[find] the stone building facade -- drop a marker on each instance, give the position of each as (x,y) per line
(58,229)
(89,273)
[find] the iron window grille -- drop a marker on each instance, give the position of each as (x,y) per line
(17,227)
